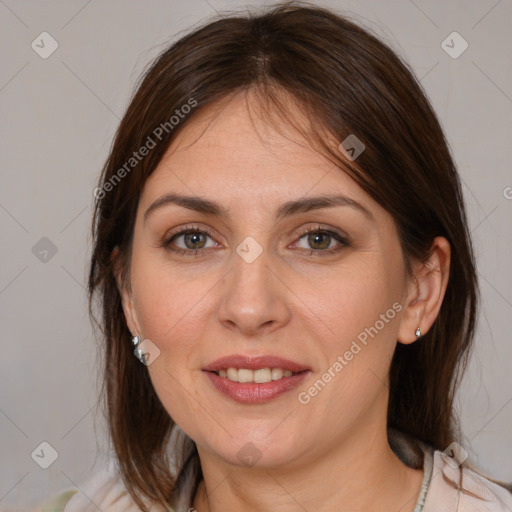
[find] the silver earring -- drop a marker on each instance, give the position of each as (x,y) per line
(139,352)
(418,333)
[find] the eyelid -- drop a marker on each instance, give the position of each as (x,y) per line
(299,234)
(181,231)
(188,227)
(341,238)
(318,227)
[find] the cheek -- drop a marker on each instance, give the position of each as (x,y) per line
(355,298)
(169,303)
(356,359)
(361,308)
(171,313)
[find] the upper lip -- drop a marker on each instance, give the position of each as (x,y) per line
(254,363)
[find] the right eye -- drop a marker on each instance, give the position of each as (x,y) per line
(189,241)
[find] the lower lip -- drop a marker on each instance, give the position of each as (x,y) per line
(252,393)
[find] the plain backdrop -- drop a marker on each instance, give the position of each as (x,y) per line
(58,117)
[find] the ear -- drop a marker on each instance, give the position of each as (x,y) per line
(426,291)
(127,299)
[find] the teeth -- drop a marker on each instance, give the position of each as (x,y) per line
(245,375)
(277,373)
(259,376)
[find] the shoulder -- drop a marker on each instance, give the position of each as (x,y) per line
(104,491)
(454,487)
(56,503)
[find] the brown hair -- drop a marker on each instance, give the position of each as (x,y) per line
(348,82)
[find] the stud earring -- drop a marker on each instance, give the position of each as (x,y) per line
(418,333)
(139,352)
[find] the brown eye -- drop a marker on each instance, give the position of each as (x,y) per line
(189,242)
(194,239)
(321,241)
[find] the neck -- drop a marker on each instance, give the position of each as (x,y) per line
(371,478)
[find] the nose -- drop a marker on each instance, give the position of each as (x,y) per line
(254,299)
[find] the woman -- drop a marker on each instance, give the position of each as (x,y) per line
(287,282)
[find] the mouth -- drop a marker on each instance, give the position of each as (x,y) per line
(255,379)
(259,376)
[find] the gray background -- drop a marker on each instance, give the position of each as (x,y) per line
(58,117)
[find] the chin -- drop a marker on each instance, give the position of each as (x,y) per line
(258,452)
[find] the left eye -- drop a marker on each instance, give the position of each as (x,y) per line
(320,240)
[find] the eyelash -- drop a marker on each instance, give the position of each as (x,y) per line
(310,230)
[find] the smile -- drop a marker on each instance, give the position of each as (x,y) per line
(259,376)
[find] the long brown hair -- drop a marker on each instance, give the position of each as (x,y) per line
(348,82)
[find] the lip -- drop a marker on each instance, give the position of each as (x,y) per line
(251,392)
(254,363)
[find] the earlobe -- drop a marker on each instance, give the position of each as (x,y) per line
(426,292)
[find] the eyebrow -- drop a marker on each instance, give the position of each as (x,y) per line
(303,205)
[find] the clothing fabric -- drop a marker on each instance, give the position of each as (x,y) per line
(427,476)
(446,487)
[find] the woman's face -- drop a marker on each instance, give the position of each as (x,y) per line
(248,281)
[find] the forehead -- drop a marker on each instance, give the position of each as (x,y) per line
(238,146)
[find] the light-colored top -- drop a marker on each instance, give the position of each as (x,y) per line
(446,487)
(428,465)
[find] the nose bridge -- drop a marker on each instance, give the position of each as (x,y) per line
(249,283)
(252,297)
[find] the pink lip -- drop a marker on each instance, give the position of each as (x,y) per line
(252,393)
(254,363)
